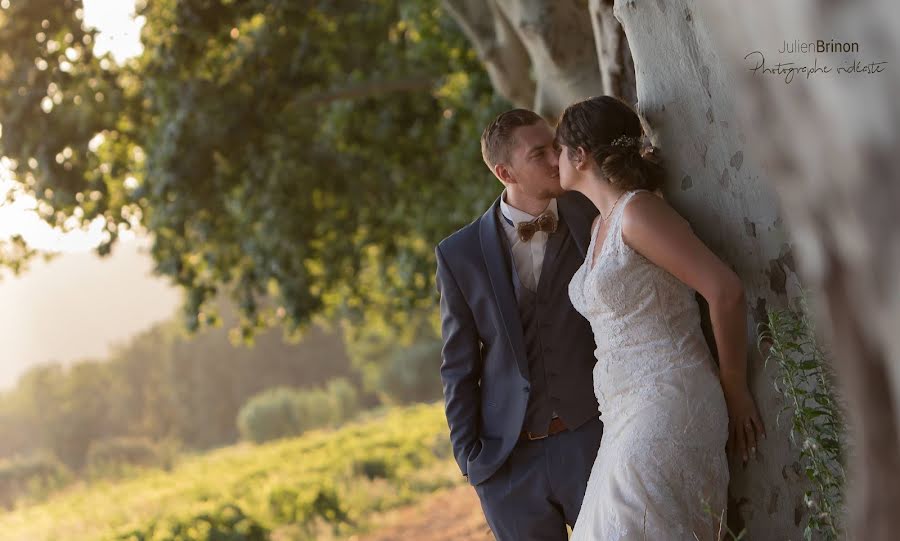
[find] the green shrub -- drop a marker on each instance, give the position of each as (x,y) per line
(374,467)
(31,477)
(313,408)
(307,506)
(269,415)
(285,412)
(283,506)
(227,523)
(327,505)
(817,426)
(120,455)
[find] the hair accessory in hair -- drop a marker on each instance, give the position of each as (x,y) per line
(625,141)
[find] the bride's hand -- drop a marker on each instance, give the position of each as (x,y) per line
(744,425)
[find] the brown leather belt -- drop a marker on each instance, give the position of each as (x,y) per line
(556,426)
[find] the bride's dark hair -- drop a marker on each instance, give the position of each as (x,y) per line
(609,130)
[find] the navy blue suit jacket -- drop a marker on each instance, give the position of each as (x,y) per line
(484,369)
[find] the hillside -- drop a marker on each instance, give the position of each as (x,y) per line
(324,485)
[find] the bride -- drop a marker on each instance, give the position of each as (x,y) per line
(668,410)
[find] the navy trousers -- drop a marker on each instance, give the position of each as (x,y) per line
(539,489)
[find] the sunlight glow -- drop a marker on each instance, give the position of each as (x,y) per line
(120,31)
(120,36)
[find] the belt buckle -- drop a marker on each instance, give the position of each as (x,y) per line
(533,438)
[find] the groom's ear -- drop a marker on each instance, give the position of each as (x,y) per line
(503,173)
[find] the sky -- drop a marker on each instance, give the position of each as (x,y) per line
(78,305)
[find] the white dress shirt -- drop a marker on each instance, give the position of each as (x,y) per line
(528,257)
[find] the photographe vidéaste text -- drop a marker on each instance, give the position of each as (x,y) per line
(790,69)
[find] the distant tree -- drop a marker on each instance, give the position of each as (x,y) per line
(165,385)
(62,411)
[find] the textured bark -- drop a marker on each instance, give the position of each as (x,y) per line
(613,53)
(830,143)
(498,46)
(539,54)
(686,98)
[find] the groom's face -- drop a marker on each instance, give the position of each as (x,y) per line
(534,161)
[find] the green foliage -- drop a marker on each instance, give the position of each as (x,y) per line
(308,152)
(56,97)
(310,487)
(305,506)
(282,412)
(817,425)
(15,253)
(374,468)
(31,477)
(270,415)
(117,456)
(314,408)
(228,523)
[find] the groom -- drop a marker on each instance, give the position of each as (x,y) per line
(517,357)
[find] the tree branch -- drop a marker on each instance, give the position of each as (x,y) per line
(559,39)
(498,46)
(613,53)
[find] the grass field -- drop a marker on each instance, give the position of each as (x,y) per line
(325,484)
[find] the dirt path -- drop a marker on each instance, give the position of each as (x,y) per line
(450,515)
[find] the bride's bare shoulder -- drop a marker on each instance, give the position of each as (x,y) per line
(647,211)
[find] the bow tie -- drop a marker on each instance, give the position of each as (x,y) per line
(546,222)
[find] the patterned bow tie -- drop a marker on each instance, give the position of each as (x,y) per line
(546,222)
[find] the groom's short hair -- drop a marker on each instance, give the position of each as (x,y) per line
(497,138)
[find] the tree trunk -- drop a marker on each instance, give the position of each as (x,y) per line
(830,143)
(686,99)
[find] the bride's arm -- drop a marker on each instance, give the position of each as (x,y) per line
(655,230)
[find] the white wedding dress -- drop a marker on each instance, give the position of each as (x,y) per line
(661,472)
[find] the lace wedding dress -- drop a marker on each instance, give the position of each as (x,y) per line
(661,472)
